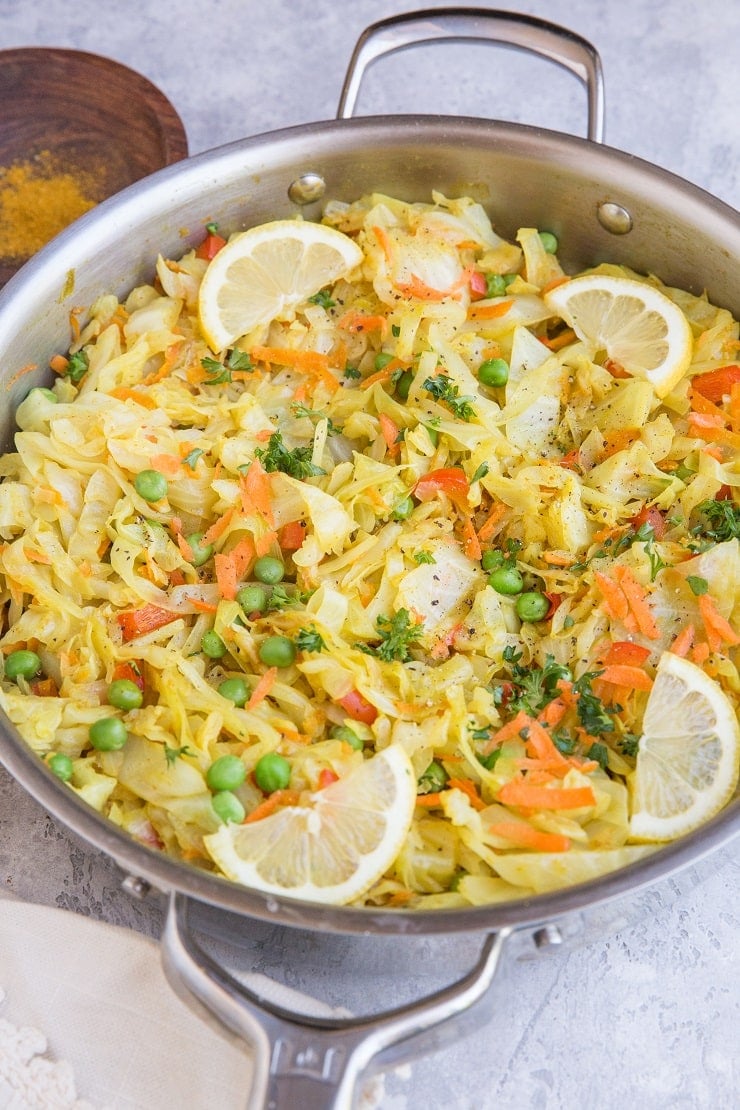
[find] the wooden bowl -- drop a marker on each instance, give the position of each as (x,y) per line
(74,129)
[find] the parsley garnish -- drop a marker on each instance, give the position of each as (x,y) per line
(424,557)
(442,388)
(212,228)
(216,371)
(480,472)
(396,633)
(323,298)
(239,360)
(352,372)
(171,754)
(698,585)
(719,521)
(592,713)
(600,754)
(192,457)
(629,744)
(309,639)
(300,411)
(534,687)
(280,598)
(77,366)
(297,462)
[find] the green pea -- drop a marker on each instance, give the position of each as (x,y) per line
(236,690)
(433,435)
(201,551)
(25,664)
(382,359)
(495,285)
(532,606)
(124,694)
(506,580)
(269,570)
(493,372)
(226,773)
(212,645)
(403,385)
(151,485)
(549,242)
(277,651)
(272,772)
(491,559)
(349,736)
(61,765)
(253,599)
(49,394)
(434,778)
(228,807)
(108,734)
(403,509)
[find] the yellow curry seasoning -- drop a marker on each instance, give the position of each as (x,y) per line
(38,199)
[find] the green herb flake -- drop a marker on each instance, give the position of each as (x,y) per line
(77,366)
(697,585)
(424,557)
(172,754)
(297,463)
(192,457)
(309,639)
(322,298)
(442,389)
(480,472)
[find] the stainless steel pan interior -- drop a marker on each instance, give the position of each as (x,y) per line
(601,203)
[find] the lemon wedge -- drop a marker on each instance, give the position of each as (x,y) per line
(689,754)
(637,326)
(332,848)
(263,273)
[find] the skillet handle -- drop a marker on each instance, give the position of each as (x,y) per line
(526,32)
(312,1060)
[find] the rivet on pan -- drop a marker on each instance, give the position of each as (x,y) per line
(614,218)
(547,937)
(307,188)
(136,886)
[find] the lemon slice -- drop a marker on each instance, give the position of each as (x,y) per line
(637,325)
(333,848)
(263,273)
(689,754)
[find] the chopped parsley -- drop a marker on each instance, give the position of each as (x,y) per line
(192,457)
(309,639)
(424,557)
(718,521)
(480,472)
(697,585)
(396,634)
(592,713)
(171,754)
(77,366)
(323,298)
(285,598)
(297,463)
(220,372)
(600,754)
(629,744)
(300,412)
(533,687)
(352,372)
(442,389)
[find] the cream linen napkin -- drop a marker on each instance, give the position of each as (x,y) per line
(88,1020)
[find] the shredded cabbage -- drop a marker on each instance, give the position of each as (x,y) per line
(396,492)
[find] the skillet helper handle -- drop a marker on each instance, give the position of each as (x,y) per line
(314,1061)
(526,32)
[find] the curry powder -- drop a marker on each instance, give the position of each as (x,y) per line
(38,198)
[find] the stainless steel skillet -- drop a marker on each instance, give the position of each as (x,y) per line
(601,204)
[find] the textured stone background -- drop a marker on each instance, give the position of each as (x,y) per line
(643,1008)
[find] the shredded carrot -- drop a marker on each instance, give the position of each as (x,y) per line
(34,556)
(137,622)
(539,744)
(74,322)
(636,596)
(218,527)
(256,491)
(263,687)
(44,688)
(429,800)
(615,601)
(519,793)
(554,284)
(562,339)
(506,732)
(122,393)
(468,787)
(526,836)
(553,712)
(385,244)
(169,465)
(718,629)
(390,431)
(683,642)
(480,311)
(308,362)
(59,364)
(264,544)
(226,575)
(292,535)
(171,355)
(490,526)
(27,369)
(202,606)
(383,375)
(471,543)
(623,674)
(185,549)
(557,558)
(360,322)
(423,292)
(270,804)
